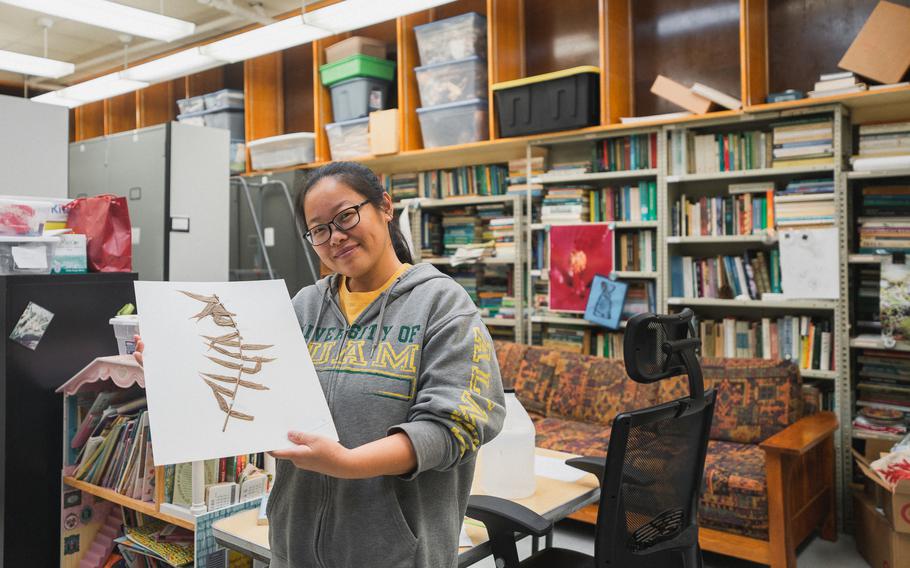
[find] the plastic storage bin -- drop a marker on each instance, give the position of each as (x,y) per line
(454,123)
(27,255)
(125,327)
(454,38)
(23,217)
(453,81)
(237,156)
(561,100)
(227,119)
(196,118)
(225,98)
(282,151)
(191,104)
(353,46)
(357,98)
(349,139)
(356,66)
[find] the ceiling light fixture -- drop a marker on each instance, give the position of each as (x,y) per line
(354,14)
(112,16)
(172,66)
(93,90)
(267,39)
(34,66)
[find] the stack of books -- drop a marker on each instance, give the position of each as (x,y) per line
(841,83)
(884,221)
(565,205)
(636,251)
(496,283)
(567,338)
(641,297)
(607,344)
(803,143)
(883,384)
(748,211)
(400,186)
(519,182)
(866,305)
(635,152)
(805,203)
(883,146)
(575,168)
(460,227)
(804,340)
(713,153)
(747,276)
(502,232)
(624,203)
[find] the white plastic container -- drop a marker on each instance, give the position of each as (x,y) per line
(349,139)
(506,466)
(125,327)
(452,81)
(191,104)
(453,38)
(454,123)
(282,151)
(27,255)
(223,99)
(23,217)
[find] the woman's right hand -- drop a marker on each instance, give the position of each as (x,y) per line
(139,348)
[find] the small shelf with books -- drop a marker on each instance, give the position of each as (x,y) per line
(881,379)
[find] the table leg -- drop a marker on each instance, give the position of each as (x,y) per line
(549,539)
(535,544)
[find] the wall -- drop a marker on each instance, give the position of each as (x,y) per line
(33,147)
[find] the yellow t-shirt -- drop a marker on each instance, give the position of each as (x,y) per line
(353,303)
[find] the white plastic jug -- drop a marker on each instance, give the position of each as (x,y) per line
(506,466)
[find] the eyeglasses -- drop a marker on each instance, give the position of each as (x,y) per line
(344,220)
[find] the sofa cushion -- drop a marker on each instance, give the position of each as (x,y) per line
(571,436)
(735,496)
(756,398)
(531,371)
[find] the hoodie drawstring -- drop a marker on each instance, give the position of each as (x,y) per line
(318,317)
(385,299)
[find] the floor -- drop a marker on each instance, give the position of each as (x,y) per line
(817,553)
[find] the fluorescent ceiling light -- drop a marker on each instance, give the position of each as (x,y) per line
(102,87)
(354,14)
(172,66)
(267,39)
(37,66)
(113,16)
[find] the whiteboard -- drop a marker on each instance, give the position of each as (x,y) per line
(34,140)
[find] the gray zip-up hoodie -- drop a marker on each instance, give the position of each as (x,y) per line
(417,360)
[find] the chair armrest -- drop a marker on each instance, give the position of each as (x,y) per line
(501,515)
(594,466)
(802,435)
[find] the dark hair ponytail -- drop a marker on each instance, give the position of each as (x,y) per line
(362,180)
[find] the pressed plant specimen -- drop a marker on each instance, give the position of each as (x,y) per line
(232,354)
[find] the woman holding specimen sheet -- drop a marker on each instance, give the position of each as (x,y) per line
(411,378)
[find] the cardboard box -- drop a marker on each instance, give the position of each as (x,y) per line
(894,500)
(680,95)
(384,132)
(876,541)
(881,50)
(353,46)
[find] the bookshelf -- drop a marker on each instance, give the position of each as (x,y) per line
(120,382)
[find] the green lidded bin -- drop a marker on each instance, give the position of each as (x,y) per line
(357,65)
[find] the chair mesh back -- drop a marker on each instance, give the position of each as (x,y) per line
(659,473)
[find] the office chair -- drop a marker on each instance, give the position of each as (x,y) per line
(652,474)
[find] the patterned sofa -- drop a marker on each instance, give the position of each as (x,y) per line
(769,472)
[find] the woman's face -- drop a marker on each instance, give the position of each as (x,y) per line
(354,252)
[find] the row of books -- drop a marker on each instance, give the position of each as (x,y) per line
(805,203)
(803,143)
(883,146)
(636,202)
(883,392)
(578,340)
(805,340)
(840,83)
(227,480)
(635,152)
(747,276)
(741,214)
(635,251)
(884,221)
(489,179)
(712,153)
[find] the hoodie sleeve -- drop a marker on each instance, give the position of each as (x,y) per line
(460,403)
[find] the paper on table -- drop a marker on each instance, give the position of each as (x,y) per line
(30,258)
(463,538)
(553,468)
(809,264)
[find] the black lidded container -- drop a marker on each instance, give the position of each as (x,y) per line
(562,100)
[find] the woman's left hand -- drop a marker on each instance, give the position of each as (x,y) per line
(319,454)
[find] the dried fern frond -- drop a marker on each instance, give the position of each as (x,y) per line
(222,344)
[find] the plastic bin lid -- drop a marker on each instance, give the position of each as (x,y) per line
(132,319)
(351,122)
(452,62)
(208,111)
(15,239)
(465,16)
(349,58)
(545,77)
(282,138)
(361,78)
(456,104)
(219,91)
